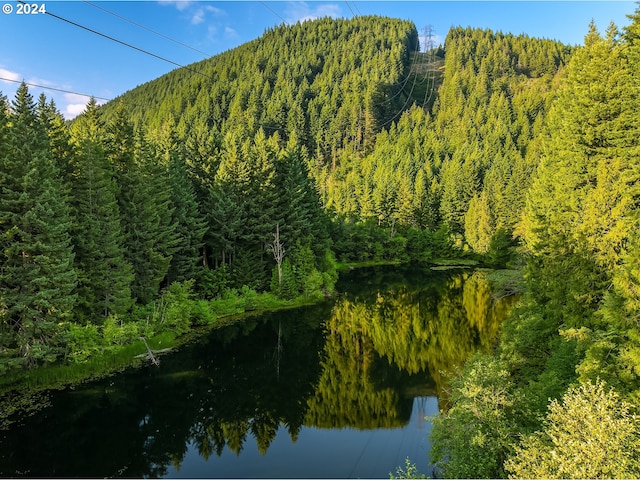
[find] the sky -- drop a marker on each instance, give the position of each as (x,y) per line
(105,48)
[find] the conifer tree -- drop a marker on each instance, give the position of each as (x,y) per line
(190,226)
(144,203)
(104,277)
(37,277)
(579,207)
(479,224)
(59,138)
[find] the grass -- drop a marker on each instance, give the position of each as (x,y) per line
(112,359)
(455,262)
(343,266)
(506,282)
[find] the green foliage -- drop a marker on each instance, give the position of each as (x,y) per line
(500,249)
(115,331)
(211,283)
(339,83)
(85,341)
(37,275)
(175,307)
(408,471)
(579,315)
(288,287)
(479,224)
(473,439)
(249,298)
(591,434)
(366,241)
(104,277)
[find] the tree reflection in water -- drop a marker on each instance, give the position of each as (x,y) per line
(358,362)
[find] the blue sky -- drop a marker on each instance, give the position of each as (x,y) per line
(44,50)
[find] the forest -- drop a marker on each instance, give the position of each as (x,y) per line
(242,181)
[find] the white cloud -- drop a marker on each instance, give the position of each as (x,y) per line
(218,12)
(212,32)
(302,11)
(200,14)
(180,4)
(76,104)
(198,17)
(75,98)
(9,75)
(73,110)
(230,32)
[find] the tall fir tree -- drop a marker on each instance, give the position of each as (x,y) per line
(190,225)
(143,198)
(37,277)
(104,276)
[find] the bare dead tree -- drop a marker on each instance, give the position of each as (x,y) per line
(278,251)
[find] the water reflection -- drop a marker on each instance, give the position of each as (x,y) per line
(282,382)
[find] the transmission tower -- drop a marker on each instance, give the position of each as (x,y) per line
(429,43)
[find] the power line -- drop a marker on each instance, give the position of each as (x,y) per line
(401,90)
(108,37)
(55,89)
(356,7)
(430,50)
(352,12)
(412,68)
(273,11)
(207,55)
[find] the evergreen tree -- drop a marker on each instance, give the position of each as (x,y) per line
(37,277)
(104,277)
(190,225)
(144,203)
(479,226)
(579,208)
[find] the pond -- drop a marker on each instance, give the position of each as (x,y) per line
(339,389)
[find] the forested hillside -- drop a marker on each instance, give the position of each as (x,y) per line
(331,83)
(558,397)
(253,171)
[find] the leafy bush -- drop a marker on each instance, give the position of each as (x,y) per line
(201,313)
(475,436)
(409,471)
(249,298)
(117,332)
(591,434)
(84,341)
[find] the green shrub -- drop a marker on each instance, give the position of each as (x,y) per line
(178,304)
(249,298)
(409,471)
(591,434)
(84,341)
(475,436)
(201,313)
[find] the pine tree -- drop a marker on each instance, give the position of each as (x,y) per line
(190,225)
(580,206)
(37,276)
(104,277)
(144,203)
(59,138)
(479,224)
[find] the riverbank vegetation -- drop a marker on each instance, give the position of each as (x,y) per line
(559,397)
(199,195)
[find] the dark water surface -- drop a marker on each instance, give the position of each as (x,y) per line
(335,390)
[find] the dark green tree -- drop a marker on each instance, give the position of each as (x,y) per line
(104,277)
(144,201)
(190,225)
(37,277)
